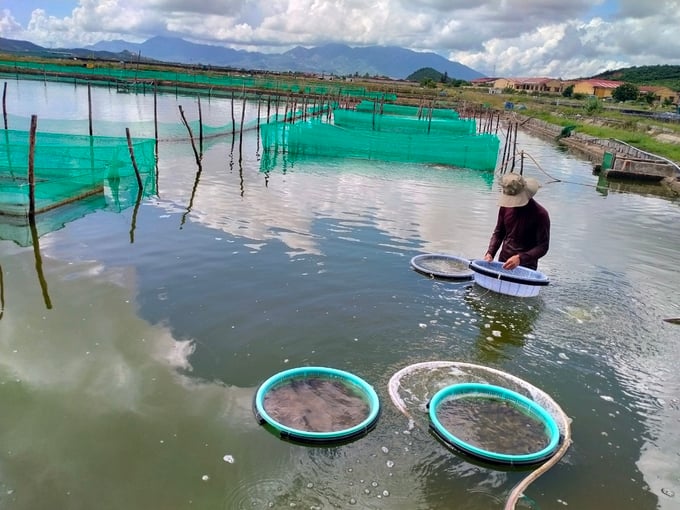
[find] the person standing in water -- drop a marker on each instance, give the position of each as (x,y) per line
(523,227)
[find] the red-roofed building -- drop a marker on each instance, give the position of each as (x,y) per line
(529,85)
(597,88)
(660,93)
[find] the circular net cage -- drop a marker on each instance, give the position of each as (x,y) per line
(469,418)
(494,424)
(317,405)
(438,265)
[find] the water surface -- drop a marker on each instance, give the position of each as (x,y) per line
(132,342)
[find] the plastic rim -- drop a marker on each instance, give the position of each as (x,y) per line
(495,270)
(416,263)
(502,393)
(306,436)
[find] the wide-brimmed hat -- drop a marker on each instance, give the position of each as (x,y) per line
(517,190)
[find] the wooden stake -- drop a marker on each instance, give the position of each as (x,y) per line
(89,105)
(233,121)
(240,137)
(132,158)
(4,104)
(155,112)
(191,136)
(31,163)
(200,125)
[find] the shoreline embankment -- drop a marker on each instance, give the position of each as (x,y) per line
(610,157)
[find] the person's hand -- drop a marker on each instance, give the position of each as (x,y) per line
(512,262)
(488,257)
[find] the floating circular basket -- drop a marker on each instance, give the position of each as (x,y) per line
(317,405)
(494,424)
(520,282)
(439,265)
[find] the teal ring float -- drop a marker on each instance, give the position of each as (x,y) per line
(473,389)
(305,436)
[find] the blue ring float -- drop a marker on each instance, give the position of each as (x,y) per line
(418,263)
(305,436)
(476,389)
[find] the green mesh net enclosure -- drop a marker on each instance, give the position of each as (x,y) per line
(69,168)
(399,139)
(406,110)
(403,124)
(132,78)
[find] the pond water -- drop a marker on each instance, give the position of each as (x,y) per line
(132,342)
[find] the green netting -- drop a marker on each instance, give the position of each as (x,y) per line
(402,124)
(166,131)
(315,138)
(68,168)
(406,110)
(131,78)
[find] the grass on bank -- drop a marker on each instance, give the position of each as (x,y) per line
(597,119)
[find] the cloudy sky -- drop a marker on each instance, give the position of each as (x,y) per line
(555,38)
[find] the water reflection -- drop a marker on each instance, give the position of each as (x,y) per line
(606,185)
(98,411)
(504,323)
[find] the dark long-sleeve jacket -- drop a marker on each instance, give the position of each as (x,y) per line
(521,230)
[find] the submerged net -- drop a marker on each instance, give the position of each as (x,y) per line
(68,168)
(443,266)
(493,424)
(316,404)
(412,387)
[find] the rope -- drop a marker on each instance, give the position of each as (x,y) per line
(518,490)
(553,179)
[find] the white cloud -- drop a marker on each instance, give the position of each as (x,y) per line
(503,37)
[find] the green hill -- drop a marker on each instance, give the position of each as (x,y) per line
(661,75)
(425,74)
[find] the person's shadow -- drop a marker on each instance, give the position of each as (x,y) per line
(504,322)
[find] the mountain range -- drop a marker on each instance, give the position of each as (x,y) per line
(338,59)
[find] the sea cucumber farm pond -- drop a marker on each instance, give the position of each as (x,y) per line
(133,339)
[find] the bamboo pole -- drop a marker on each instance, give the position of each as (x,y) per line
(4,104)
(155,112)
(2,294)
(240,136)
(31,163)
(132,158)
(200,126)
(191,136)
(514,147)
(89,106)
(259,106)
(233,121)
(505,147)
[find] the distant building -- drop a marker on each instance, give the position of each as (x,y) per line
(660,94)
(593,87)
(597,88)
(483,82)
(530,85)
